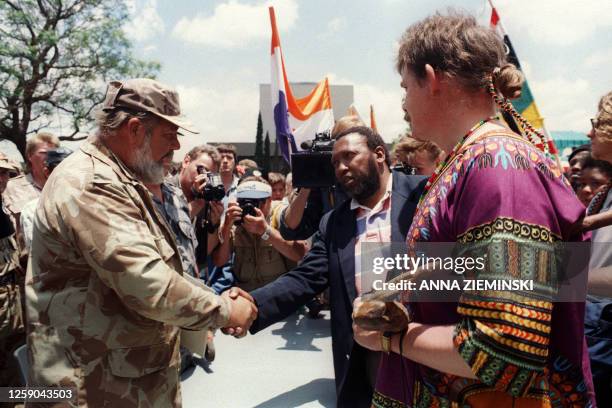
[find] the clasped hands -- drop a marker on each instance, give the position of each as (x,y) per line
(242,314)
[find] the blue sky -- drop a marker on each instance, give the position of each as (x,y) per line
(217,52)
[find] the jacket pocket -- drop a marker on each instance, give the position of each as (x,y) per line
(165,250)
(134,362)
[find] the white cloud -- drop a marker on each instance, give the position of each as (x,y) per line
(565,104)
(149,49)
(219,115)
(145,22)
(387,103)
(336,24)
(527,69)
(234,24)
(556,22)
(600,58)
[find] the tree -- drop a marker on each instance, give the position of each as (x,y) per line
(266,159)
(259,154)
(55,56)
(274,159)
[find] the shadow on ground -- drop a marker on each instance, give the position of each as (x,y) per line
(299,331)
(324,388)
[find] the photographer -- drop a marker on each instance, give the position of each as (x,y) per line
(261,254)
(300,220)
(181,199)
(417,156)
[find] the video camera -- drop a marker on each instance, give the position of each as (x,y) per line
(312,167)
(213,189)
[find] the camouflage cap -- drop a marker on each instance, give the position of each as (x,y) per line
(146,95)
(8,164)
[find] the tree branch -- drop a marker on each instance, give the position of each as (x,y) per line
(74,138)
(58,106)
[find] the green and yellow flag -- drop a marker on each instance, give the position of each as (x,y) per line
(525,104)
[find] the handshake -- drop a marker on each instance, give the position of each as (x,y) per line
(242,312)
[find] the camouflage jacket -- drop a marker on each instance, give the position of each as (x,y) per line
(105,295)
(20,191)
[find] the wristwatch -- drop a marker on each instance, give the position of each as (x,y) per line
(266,235)
(385,341)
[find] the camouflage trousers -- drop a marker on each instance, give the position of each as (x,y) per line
(12,334)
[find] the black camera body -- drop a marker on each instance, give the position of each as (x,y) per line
(213,189)
(322,142)
(405,168)
(312,167)
(248,206)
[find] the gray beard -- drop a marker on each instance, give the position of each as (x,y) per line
(145,168)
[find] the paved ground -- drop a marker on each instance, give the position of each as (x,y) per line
(287,365)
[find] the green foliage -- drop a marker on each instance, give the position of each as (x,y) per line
(266,159)
(259,154)
(55,57)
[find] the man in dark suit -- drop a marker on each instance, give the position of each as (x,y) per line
(381,198)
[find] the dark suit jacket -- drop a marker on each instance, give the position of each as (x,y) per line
(331,263)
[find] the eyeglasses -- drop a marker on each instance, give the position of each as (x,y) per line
(594,123)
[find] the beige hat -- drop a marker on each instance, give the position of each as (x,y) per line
(8,164)
(146,95)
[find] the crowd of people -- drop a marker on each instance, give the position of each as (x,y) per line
(119,264)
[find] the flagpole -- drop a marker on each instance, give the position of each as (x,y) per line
(501,25)
(544,130)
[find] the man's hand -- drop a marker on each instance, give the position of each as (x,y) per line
(197,187)
(235,291)
(256,224)
(232,214)
(243,312)
(216,210)
(199,182)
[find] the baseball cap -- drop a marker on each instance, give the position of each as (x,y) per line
(254,190)
(147,95)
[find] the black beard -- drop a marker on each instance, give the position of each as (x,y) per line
(365,184)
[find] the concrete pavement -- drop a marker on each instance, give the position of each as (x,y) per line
(289,364)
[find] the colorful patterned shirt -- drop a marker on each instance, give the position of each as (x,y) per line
(503,199)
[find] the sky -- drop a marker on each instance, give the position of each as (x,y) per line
(216,53)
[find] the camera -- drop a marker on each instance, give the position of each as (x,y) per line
(312,167)
(322,142)
(213,189)
(248,206)
(405,168)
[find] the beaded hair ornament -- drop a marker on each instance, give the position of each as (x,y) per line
(536,137)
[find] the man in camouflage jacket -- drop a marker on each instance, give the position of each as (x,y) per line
(105,291)
(12,334)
